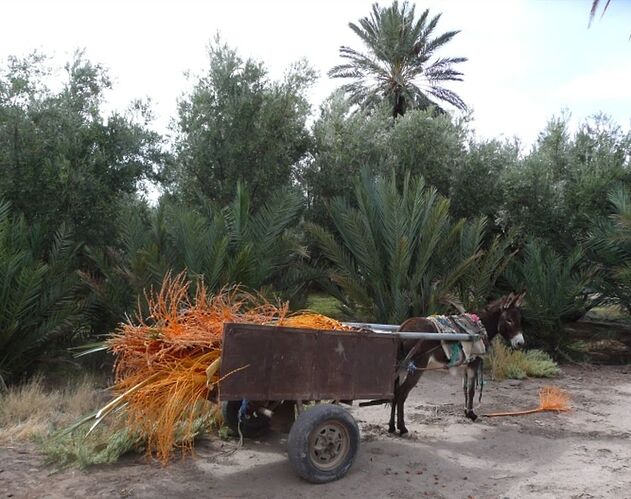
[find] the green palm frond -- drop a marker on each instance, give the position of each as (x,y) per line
(256,248)
(558,291)
(610,247)
(40,302)
(397,252)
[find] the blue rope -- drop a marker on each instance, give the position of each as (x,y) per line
(243,409)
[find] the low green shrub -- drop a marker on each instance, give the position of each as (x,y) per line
(517,364)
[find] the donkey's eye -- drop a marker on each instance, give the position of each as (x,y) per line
(509,322)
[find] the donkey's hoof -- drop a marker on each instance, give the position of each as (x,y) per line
(403,432)
(471,415)
(391,429)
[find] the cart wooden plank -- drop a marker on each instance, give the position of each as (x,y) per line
(279,363)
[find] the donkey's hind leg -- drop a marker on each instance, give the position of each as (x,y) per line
(404,390)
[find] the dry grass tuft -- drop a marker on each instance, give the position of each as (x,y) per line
(31,410)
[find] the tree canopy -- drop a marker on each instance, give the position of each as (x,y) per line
(63,159)
(237,125)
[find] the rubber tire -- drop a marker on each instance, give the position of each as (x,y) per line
(300,436)
(250,427)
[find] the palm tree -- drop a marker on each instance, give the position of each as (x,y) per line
(399,66)
(259,247)
(557,293)
(397,253)
(41,307)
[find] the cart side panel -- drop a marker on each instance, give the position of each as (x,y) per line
(290,365)
(303,364)
(335,367)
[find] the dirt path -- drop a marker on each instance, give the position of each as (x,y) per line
(583,454)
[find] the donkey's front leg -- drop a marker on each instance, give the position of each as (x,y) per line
(465,387)
(470,378)
(391,428)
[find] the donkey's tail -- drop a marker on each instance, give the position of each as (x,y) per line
(375,402)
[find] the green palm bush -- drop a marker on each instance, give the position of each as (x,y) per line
(397,253)
(610,242)
(260,249)
(558,292)
(40,306)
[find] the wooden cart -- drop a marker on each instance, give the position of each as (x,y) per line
(299,379)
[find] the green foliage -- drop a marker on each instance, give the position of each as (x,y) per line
(324,304)
(559,190)
(345,142)
(610,243)
(348,142)
(238,126)
(39,302)
(62,159)
(399,253)
(518,364)
(257,248)
(102,446)
(431,146)
(476,184)
(399,66)
(558,292)
(534,203)
(83,448)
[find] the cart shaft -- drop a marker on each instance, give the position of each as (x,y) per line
(393,330)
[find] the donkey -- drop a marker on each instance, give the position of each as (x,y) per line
(502,316)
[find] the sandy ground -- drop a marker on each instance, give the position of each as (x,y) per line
(582,454)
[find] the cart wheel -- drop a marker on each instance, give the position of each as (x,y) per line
(322,443)
(253,424)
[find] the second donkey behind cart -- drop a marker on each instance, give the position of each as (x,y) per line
(502,316)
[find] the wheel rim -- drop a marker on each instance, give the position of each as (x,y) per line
(329,445)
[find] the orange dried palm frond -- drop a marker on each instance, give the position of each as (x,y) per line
(551,398)
(313,320)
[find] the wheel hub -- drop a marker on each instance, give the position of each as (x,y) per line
(329,445)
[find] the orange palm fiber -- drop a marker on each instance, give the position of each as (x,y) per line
(162,361)
(551,398)
(179,326)
(312,320)
(169,404)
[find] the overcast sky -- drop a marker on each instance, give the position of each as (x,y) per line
(528,59)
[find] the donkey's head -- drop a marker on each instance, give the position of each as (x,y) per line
(509,321)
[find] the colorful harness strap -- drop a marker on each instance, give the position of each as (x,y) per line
(454,354)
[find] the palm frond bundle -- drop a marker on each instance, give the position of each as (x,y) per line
(168,363)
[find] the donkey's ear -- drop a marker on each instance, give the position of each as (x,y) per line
(520,299)
(508,301)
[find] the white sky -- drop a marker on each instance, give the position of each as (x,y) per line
(528,59)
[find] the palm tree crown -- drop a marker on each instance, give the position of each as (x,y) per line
(397,65)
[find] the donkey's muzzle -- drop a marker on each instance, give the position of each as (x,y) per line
(517,341)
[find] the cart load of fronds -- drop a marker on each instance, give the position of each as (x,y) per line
(167,364)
